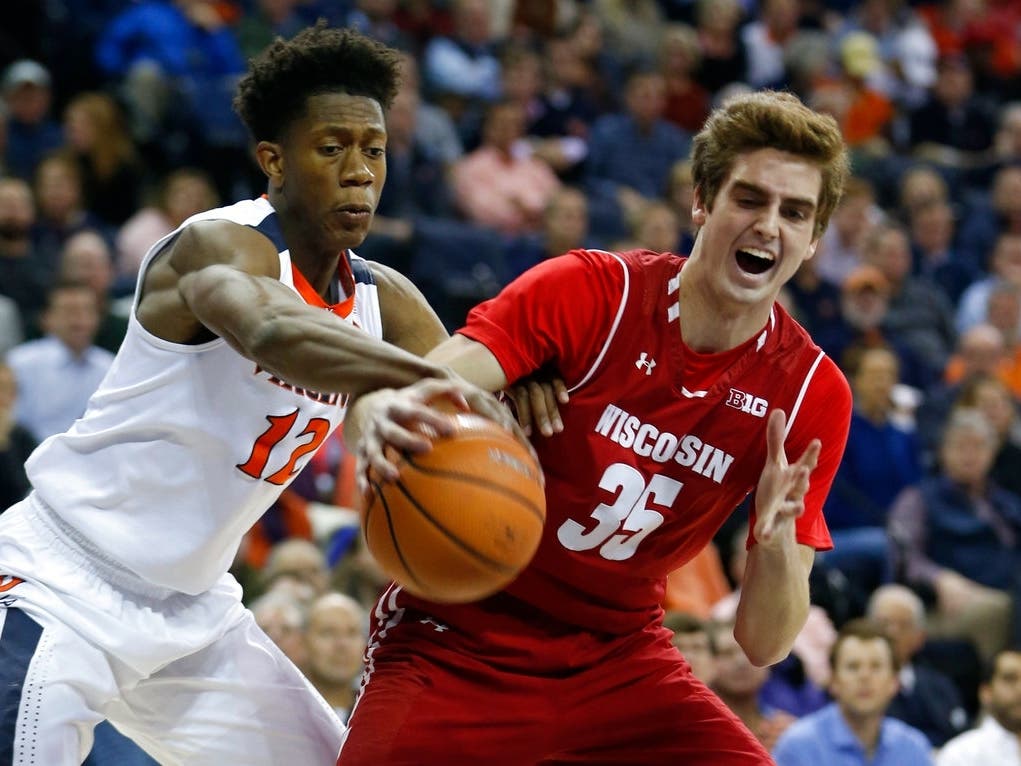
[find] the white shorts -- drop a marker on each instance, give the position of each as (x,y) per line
(191,679)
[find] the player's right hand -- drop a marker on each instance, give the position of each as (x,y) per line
(407,419)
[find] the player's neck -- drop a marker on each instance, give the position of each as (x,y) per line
(708,328)
(710,321)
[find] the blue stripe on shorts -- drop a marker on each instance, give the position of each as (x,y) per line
(17,645)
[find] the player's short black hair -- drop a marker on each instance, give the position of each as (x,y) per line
(319,59)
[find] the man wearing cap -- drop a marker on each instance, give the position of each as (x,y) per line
(864,306)
(31,132)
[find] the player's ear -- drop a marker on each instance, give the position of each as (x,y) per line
(811,248)
(271,159)
(699,209)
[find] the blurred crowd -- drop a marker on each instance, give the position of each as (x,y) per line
(527,128)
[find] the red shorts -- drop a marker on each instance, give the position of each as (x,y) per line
(532,693)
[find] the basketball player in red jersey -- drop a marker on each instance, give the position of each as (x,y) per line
(690,388)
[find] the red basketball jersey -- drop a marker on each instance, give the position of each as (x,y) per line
(659,444)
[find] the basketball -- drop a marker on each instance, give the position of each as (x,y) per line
(463,519)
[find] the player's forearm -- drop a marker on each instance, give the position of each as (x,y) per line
(774,601)
(334,356)
(305,346)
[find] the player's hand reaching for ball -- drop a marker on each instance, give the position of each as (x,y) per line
(406,419)
(780,495)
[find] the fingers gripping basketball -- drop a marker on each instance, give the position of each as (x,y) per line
(463,519)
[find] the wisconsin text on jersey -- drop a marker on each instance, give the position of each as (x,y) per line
(648,441)
(316,396)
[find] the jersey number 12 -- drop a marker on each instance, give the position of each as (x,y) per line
(279,427)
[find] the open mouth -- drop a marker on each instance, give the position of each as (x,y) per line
(753,261)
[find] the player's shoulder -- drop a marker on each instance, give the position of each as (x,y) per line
(619,267)
(250,212)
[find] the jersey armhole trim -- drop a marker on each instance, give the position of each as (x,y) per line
(613,328)
(801,394)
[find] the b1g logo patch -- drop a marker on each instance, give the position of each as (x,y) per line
(753,405)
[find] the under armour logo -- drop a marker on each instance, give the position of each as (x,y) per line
(436,626)
(647,362)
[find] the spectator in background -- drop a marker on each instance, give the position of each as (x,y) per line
(738,683)
(958,532)
(570,96)
(927,699)
(433,130)
(864,304)
(854,728)
(57,374)
(267,20)
(461,71)
(175,63)
(998,739)
(724,55)
(502,185)
(22,277)
(300,562)
(933,227)
(1007,142)
(183,193)
(631,153)
(980,351)
(376,19)
(632,29)
(16,442)
(282,615)
(86,259)
(31,132)
(918,186)
(952,123)
(97,135)
(523,80)
(919,314)
(335,636)
(1002,313)
(840,251)
(992,398)
(694,640)
(653,226)
(61,204)
(816,300)
(880,460)
(565,225)
(991,216)
(1004,266)
(687,102)
(765,39)
(866,113)
(993,346)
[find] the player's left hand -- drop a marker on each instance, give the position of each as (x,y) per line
(780,495)
(536,401)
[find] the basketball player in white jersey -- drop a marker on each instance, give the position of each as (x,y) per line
(251,326)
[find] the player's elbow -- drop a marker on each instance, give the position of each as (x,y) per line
(762,651)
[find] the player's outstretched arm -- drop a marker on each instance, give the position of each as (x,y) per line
(220,278)
(774,591)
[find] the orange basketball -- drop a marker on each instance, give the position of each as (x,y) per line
(463,519)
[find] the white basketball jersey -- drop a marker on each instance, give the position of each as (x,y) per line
(183,447)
